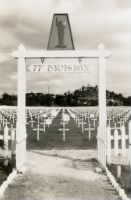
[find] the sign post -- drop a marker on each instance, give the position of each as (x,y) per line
(102,107)
(21,113)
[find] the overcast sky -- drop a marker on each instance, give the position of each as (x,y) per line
(92,22)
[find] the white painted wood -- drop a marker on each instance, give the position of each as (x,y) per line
(129,143)
(70,68)
(48,122)
(102,105)
(12,141)
(38,133)
(32,122)
(6,131)
(21,121)
(94,121)
(13,118)
(63,129)
(38,129)
(89,129)
(44,125)
(82,124)
(1,137)
(116,142)
(118,171)
(108,145)
(123,139)
(61,54)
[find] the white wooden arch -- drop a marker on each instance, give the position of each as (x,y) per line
(21,54)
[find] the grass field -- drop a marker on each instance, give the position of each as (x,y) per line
(125,180)
(52,138)
(4,170)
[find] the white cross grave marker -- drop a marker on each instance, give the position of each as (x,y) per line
(32,122)
(38,129)
(89,129)
(65,119)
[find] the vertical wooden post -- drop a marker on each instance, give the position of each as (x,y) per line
(13,147)
(118,171)
(123,139)
(89,131)
(6,130)
(38,132)
(102,106)
(116,142)
(12,140)
(64,132)
(21,122)
(82,125)
(32,122)
(108,145)
(129,144)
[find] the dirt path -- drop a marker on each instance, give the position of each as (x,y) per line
(52,177)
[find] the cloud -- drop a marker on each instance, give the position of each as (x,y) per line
(3,58)
(92,22)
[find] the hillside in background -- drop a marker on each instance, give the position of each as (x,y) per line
(84,96)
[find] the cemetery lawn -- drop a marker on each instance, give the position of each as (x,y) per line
(52,138)
(3,175)
(3,172)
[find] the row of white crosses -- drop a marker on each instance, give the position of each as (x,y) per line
(29,119)
(10,117)
(64,121)
(38,129)
(119,115)
(44,119)
(90,117)
(4,120)
(83,118)
(116,116)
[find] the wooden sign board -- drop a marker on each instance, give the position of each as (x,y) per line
(81,68)
(60,35)
(120,160)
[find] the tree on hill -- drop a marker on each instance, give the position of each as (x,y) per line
(84,96)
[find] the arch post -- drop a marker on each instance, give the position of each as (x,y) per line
(21,103)
(101,142)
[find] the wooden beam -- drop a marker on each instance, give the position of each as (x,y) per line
(61,54)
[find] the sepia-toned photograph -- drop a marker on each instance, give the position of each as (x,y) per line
(65,100)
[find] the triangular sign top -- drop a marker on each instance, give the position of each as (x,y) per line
(60,35)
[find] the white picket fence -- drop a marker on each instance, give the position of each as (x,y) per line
(117,145)
(8,135)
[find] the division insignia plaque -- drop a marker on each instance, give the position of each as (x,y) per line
(60,35)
